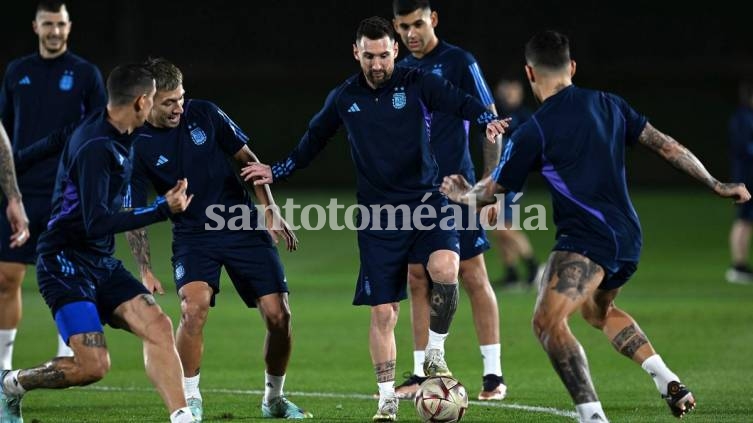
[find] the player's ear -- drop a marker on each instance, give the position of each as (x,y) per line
(34,26)
(529,74)
(572,68)
(355,52)
(140,103)
(395,48)
(434,17)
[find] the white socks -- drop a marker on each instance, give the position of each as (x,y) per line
(591,412)
(386,389)
(492,358)
(7,338)
(273,386)
(659,371)
(418,363)
(181,415)
(63,349)
(191,386)
(11,384)
(436,340)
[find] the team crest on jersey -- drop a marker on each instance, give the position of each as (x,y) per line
(198,135)
(180,271)
(398,98)
(437,69)
(66,81)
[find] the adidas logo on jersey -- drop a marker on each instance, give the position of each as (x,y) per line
(25,80)
(161,160)
(354,108)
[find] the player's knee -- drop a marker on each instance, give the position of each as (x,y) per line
(10,284)
(444,268)
(384,315)
(93,370)
(278,320)
(160,329)
(417,281)
(194,312)
(546,326)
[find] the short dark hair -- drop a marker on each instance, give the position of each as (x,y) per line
(374,28)
(126,82)
(406,7)
(548,49)
(53,6)
(166,75)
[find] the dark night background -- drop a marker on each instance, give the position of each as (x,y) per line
(269,65)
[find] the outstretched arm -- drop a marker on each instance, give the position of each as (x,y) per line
(683,159)
(482,194)
(491,150)
(276,225)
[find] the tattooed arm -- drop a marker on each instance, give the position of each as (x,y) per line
(15,211)
(139,243)
(683,159)
(491,151)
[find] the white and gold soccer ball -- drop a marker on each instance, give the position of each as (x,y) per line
(441,399)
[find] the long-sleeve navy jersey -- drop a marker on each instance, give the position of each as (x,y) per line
(200,148)
(741,145)
(92,177)
(388,131)
(39,96)
(577,139)
(449,133)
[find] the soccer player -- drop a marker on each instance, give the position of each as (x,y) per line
(385,110)
(14,211)
(513,243)
(80,280)
(196,139)
(41,92)
(577,140)
(414,21)
(741,149)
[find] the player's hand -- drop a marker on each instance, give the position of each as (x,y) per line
(490,213)
(19,223)
(279,228)
(497,128)
(456,188)
(177,198)
(151,282)
(258,172)
(736,191)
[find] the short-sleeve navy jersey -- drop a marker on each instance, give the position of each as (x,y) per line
(40,96)
(388,132)
(449,133)
(577,140)
(92,177)
(741,145)
(200,149)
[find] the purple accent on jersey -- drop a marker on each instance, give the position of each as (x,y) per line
(70,202)
(427,118)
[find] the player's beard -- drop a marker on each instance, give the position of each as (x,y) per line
(54,44)
(378,78)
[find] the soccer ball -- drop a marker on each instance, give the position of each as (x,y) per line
(441,399)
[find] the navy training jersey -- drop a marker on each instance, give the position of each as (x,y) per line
(92,177)
(39,96)
(449,133)
(201,149)
(741,145)
(388,132)
(577,140)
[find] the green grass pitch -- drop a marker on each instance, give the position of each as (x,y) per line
(700,324)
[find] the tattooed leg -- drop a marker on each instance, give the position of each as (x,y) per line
(571,280)
(382,340)
(89,364)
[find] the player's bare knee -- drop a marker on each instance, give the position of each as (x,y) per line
(443,269)
(94,368)
(546,326)
(594,314)
(278,320)
(159,330)
(384,315)
(10,285)
(194,312)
